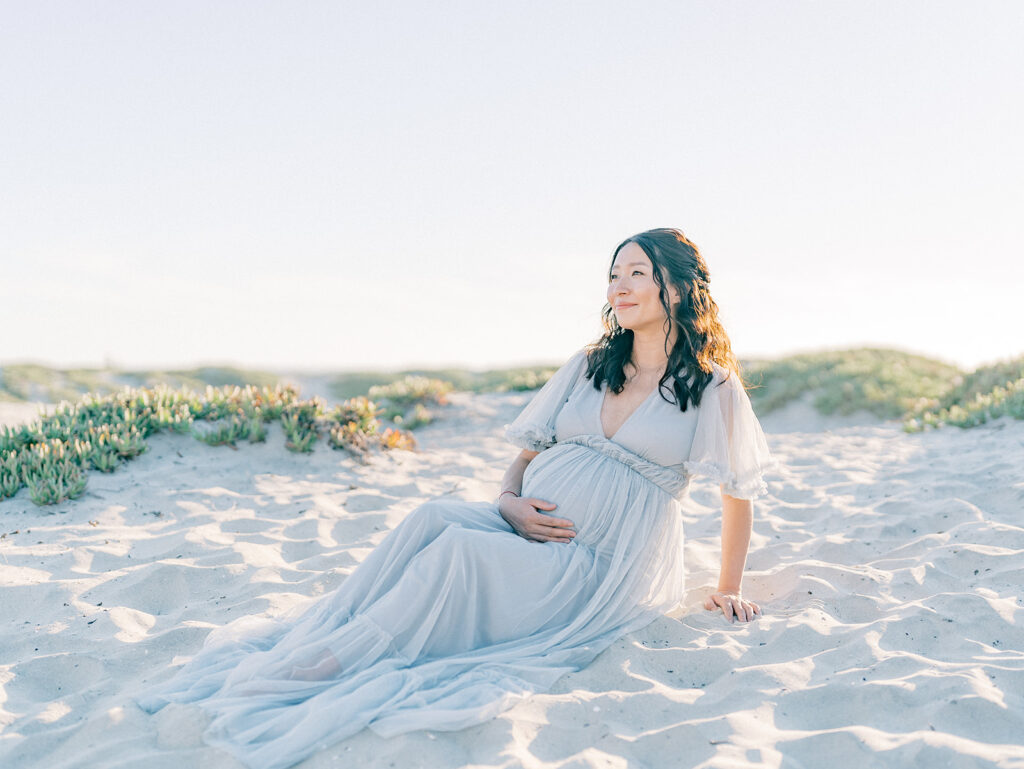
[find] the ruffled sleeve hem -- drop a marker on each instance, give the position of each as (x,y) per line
(749,487)
(534,428)
(530,437)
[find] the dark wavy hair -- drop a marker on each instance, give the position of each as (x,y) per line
(700,338)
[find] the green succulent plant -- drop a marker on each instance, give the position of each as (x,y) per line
(975,409)
(300,423)
(350,438)
(224,432)
(10,473)
(420,416)
(301,439)
(105,459)
(52,454)
(256,430)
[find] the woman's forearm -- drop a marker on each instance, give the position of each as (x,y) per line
(513,479)
(737,520)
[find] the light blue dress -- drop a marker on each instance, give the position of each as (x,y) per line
(454,618)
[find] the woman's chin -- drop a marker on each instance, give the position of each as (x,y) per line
(638,327)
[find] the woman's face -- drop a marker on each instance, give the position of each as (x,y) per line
(633,292)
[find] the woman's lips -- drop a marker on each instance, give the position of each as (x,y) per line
(624,306)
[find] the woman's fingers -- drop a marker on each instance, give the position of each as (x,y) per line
(535,515)
(547,520)
(727,609)
(733,606)
(540,519)
(555,533)
(752,610)
(545,531)
(545,534)
(547,538)
(540,504)
(549,534)
(536,526)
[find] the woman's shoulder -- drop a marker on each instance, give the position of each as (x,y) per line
(724,376)
(722,383)
(576,365)
(577,362)
(581,359)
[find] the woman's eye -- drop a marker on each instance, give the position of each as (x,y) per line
(638,271)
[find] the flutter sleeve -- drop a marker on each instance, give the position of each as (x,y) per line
(534,428)
(729,445)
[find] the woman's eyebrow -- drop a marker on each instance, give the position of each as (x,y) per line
(631,264)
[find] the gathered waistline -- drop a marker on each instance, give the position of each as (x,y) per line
(668,480)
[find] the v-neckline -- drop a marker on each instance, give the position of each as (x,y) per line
(600,410)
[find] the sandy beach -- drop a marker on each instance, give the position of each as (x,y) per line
(888,566)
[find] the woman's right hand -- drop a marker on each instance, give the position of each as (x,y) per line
(521,514)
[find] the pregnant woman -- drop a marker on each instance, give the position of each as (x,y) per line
(466,607)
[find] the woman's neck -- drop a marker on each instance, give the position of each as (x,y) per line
(649,350)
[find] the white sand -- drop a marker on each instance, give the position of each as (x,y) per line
(888,566)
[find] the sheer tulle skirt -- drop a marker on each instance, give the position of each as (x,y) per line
(449,621)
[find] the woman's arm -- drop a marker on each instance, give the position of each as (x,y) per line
(513,480)
(521,512)
(737,520)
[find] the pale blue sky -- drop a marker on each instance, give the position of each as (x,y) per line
(345,185)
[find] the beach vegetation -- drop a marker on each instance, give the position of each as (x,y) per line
(221,432)
(393,438)
(101,429)
(354,425)
(886,383)
(411,390)
(300,422)
(52,455)
(921,392)
(404,402)
(987,393)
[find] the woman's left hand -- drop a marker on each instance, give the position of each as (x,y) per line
(733,605)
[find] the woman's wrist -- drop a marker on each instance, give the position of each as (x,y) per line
(507,491)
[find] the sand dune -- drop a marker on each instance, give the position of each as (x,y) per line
(888,566)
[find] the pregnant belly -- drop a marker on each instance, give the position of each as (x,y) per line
(597,493)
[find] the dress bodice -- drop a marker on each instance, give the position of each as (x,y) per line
(656,430)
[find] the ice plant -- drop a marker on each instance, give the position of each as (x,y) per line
(52,455)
